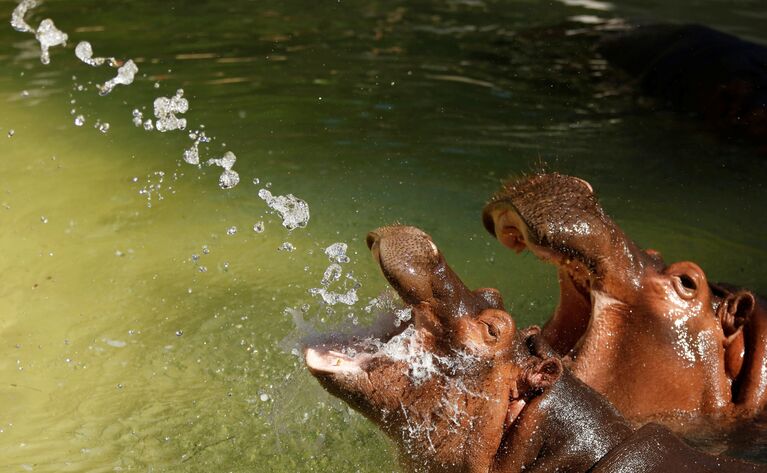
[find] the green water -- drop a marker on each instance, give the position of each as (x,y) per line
(118,354)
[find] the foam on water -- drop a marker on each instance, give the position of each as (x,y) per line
(125,75)
(294,211)
(49,36)
(165,110)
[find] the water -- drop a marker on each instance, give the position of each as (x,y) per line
(369,114)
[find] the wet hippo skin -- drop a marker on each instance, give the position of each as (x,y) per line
(460,389)
(697,69)
(658,340)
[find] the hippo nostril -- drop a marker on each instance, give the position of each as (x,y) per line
(371,239)
(685,286)
(688,282)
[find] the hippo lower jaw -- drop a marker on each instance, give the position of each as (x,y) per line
(324,361)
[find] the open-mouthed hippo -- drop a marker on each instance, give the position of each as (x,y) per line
(657,340)
(461,390)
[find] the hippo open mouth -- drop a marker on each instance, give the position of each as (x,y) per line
(625,319)
(417,271)
(559,219)
(446,383)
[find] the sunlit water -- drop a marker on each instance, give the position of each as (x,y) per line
(143,298)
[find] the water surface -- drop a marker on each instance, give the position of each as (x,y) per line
(118,353)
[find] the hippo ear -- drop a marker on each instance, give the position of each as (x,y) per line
(544,373)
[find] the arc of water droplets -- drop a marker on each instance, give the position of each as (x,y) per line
(125,74)
(47,33)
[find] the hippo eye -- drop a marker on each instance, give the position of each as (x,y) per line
(685,286)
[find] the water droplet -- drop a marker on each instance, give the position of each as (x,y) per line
(138,117)
(48,36)
(294,211)
(287,246)
(165,110)
(125,76)
(228,179)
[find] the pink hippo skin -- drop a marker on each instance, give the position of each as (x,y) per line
(461,390)
(659,341)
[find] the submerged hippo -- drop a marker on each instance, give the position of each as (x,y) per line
(655,339)
(461,390)
(697,69)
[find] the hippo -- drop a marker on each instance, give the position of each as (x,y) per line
(697,69)
(660,341)
(460,389)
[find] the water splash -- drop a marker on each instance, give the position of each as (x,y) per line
(294,211)
(84,52)
(347,292)
(402,315)
(165,110)
(192,154)
(103,127)
(228,178)
(17,17)
(337,252)
(125,75)
(138,117)
(49,36)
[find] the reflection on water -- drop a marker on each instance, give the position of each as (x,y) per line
(120,353)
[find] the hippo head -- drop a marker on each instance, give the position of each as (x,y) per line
(652,338)
(446,386)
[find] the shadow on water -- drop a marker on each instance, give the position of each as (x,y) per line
(127,346)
